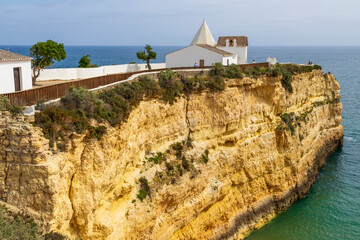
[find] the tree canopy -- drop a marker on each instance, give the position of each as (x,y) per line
(146,55)
(85,62)
(44,55)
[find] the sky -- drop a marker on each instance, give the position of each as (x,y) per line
(175,23)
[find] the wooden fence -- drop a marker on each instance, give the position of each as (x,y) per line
(32,96)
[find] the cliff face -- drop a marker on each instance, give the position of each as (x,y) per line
(248,161)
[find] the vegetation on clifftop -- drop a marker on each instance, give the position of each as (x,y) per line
(288,70)
(285,70)
(83,111)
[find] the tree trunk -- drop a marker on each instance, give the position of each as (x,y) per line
(36,73)
(36,68)
(148,64)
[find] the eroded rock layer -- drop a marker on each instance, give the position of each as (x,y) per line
(251,150)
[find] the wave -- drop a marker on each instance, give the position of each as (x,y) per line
(351,139)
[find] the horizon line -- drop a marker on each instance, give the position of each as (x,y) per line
(70,45)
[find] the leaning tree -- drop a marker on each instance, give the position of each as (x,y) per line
(146,55)
(44,55)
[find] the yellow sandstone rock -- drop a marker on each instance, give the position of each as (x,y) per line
(256,167)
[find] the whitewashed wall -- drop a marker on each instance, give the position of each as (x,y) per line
(7,75)
(81,73)
(188,56)
(232,60)
(241,53)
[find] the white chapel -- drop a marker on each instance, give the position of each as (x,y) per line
(15,72)
(204,51)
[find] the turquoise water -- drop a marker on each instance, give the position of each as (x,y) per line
(332,208)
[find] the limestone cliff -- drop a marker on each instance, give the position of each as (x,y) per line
(255,149)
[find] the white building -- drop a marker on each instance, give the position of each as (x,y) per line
(204,51)
(237,45)
(271,60)
(15,72)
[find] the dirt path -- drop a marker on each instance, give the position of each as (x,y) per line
(48,83)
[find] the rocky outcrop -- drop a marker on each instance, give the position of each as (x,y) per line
(246,162)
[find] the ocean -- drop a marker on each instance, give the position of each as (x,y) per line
(332,208)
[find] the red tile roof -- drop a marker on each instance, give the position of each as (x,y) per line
(6,56)
(241,41)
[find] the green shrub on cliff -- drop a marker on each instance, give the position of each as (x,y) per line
(6,105)
(185,163)
(144,189)
(73,114)
(157,159)
(317,67)
(289,120)
(215,84)
(151,87)
(205,156)
(141,195)
(15,226)
(178,147)
(286,81)
(217,69)
(194,84)
(234,71)
(169,81)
